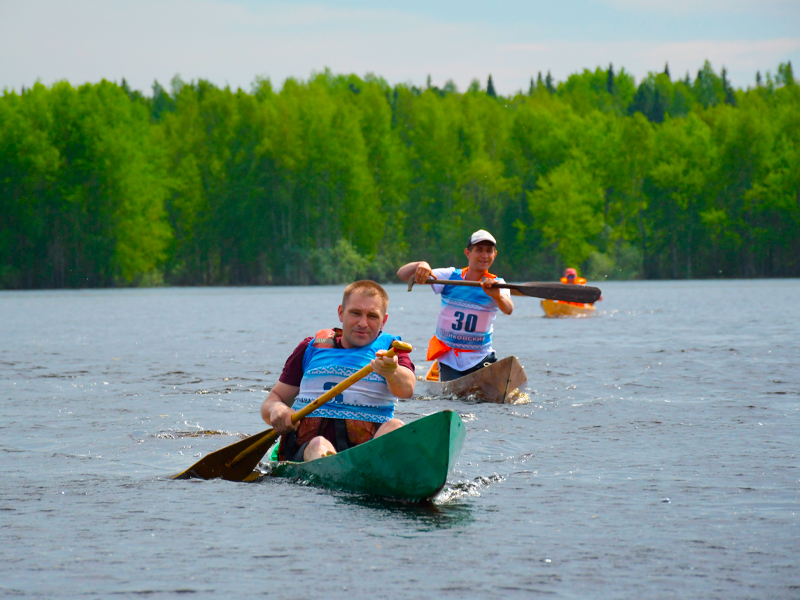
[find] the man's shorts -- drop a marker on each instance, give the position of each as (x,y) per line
(449,373)
(342,433)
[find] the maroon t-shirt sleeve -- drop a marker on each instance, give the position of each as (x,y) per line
(404,360)
(293,369)
(292,372)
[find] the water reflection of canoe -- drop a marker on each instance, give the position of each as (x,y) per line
(557,308)
(497,383)
(410,463)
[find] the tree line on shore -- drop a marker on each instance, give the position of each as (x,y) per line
(341,177)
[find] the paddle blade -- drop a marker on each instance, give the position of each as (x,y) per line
(560,291)
(216,465)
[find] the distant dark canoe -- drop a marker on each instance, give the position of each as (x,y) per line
(497,383)
(410,463)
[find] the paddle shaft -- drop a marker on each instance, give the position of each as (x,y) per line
(552,291)
(306,410)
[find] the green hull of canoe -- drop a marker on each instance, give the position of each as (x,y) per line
(410,463)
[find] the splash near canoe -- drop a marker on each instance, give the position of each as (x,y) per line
(554,309)
(410,463)
(499,383)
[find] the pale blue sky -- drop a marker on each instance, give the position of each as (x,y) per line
(234,41)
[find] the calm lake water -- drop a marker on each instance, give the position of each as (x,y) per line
(657,457)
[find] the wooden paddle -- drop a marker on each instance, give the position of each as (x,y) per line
(552,291)
(237,461)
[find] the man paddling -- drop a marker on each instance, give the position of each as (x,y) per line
(571,277)
(463,339)
(363,411)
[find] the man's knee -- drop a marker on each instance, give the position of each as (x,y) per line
(317,448)
(390,425)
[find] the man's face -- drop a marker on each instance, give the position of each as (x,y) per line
(362,320)
(481,256)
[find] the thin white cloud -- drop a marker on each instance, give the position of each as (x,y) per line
(704,7)
(526,48)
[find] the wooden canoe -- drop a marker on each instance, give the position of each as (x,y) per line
(410,463)
(498,383)
(554,309)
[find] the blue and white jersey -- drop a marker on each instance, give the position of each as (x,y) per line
(466,320)
(367,400)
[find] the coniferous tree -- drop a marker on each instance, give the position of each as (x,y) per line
(666,70)
(539,81)
(490,88)
(610,79)
(132,94)
(643,99)
(708,87)
(758,78)
(548,81)
(659,109)
(785,74)
(726,87)
(532,88)
(770,82)
(160,104)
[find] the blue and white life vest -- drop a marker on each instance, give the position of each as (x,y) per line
(324,367)
(467,314)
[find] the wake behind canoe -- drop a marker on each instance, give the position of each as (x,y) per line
(410,463)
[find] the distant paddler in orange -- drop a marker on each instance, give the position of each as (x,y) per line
(571,276)
(559,308)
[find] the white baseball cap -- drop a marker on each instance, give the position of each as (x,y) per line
(481,236)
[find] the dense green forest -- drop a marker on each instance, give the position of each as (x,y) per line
(340,177)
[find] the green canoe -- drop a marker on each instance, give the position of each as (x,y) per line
(410,463)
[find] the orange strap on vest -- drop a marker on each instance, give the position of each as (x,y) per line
(578,281)
(487,274)
(326,338)
(437,347)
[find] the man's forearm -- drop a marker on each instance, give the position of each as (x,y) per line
(505,304)
(406,271)
(401,382)
(269,405)
(281,395)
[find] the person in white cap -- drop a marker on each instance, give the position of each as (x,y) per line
(463,339)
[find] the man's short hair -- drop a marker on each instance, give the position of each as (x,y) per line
(367,287)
